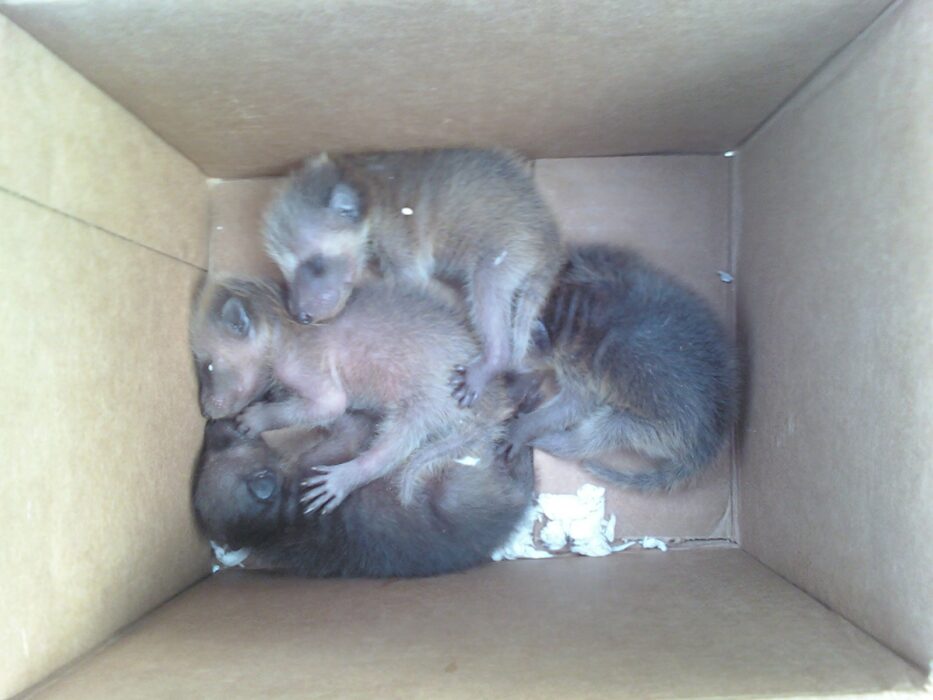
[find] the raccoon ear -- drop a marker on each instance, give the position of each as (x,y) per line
(345,200)
(234,316)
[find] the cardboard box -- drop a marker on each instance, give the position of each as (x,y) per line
(787,144)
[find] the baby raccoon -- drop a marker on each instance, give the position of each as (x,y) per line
(640,364)
(469,217)
(388,352)
(247,495)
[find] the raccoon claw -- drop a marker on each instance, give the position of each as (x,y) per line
(468,383)
(516,440)
(317,502)
(328,489)
(464,396)
(511,447)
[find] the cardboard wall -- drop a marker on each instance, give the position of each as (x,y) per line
(103,240)
(634,626)
(835,291)
(673,209)
(243,91)
(102,243)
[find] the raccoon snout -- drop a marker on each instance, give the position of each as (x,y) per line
(299,314)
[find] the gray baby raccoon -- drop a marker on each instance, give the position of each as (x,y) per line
(640,364)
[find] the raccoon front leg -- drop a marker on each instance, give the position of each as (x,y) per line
(606,430)
(262,416)
(399,436)
(491,292)
(560,412)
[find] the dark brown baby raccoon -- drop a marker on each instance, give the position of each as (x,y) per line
(470,217)
(388,352)
(640,364)
(247,495)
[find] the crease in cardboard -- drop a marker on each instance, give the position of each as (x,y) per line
(99,228)
(735,237)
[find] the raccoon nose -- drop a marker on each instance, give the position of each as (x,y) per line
(305,318)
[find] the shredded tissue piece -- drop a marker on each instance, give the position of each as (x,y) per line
(653,543)
(227,559)
(522,543)
(578,520)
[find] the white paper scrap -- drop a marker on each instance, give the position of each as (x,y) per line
(645,543)
(228,558)
(622,546)
(577,521)
(653,543)
(521,545)
(553,536)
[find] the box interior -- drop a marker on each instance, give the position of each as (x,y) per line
(685,624)
(137,141)
(674,209)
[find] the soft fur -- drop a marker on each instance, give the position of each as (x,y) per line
(389,352)
(469,217)
(457,517)
(642,364)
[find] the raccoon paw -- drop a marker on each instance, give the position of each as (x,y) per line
(519,435)
(469,381)
(328,489)
(252,420)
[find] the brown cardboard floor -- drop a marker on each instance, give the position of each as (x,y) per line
(691,624)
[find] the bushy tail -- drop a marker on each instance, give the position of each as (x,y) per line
(663,478)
